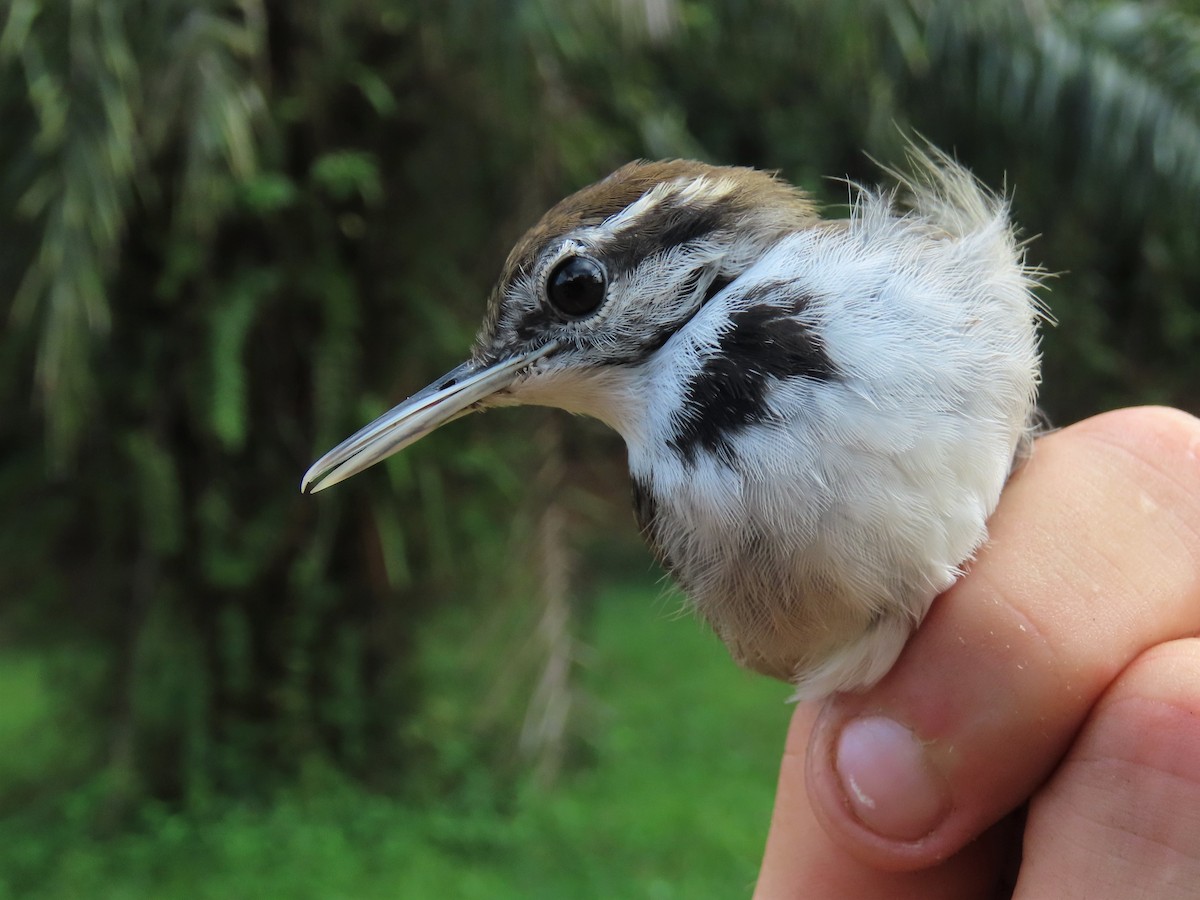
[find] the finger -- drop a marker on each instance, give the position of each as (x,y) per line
(801,861)
(1093,558)
(1121,816)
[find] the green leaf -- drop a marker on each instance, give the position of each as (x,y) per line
(347,174)
(268,192)
(158,492)
(231,323)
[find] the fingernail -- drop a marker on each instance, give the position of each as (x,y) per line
(887,779)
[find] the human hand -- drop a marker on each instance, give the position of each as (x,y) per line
(1063,671)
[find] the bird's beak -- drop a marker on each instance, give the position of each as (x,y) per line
(460,391)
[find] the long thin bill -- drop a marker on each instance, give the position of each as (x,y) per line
(451,396)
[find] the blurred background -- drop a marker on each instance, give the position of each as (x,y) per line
(233,232)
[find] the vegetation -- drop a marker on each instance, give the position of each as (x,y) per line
(673,806)
(231,232)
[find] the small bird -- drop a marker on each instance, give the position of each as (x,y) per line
(820,415)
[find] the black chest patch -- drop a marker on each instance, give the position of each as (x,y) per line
(764,341)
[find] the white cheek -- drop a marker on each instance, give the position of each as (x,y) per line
(616,395)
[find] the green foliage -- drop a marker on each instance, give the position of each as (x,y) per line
(232,233)
(1114,84)
(106,92)
(669,806)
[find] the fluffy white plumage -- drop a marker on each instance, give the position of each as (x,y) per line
(820,415)
(818,552)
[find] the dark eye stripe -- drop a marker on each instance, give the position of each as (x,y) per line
(667,224)
(637,353)
(659,230)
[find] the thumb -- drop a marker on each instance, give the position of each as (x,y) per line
(803,861)
(1094,557)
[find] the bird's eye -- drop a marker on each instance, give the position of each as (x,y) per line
(576,286)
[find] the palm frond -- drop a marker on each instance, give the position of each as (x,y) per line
(102,101)
(1113,86)
(83,93)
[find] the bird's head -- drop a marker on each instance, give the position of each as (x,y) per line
(597,287)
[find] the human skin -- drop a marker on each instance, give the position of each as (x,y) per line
(1063,672)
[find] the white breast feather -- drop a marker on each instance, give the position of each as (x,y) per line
(878,488)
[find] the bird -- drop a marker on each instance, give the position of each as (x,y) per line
(820,414)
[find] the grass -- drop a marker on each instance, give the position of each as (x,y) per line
(673,802)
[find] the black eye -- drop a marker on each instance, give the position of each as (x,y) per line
(576,286)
